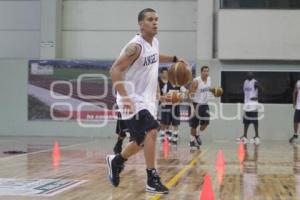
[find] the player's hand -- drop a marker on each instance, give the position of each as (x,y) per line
(183,60)
(128,106)
(181,97)
(168,98)
(162,98)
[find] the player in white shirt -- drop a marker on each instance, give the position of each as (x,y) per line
(170,113)
(134,74)
(296,105)
(250,89)
(199,94)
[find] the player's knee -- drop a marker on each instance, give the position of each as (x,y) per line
(193,131)
(204,126)
(140,139)
(152,134)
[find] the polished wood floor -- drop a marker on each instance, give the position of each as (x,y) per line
(268,171)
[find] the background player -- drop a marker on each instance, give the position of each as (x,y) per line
(296,105)
(170,113)
(199,110)
(250,89)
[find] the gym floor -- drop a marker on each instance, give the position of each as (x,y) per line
(268,171)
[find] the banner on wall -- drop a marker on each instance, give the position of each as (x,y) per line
(72,89)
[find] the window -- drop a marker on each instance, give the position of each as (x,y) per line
(260,4)
(277,87)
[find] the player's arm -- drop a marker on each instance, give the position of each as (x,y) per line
(131,53)
(168,59)
(295,93)
(160,97)
(192,89)
(260,89)
(256,86)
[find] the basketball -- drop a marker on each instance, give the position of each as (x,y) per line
(175,97)
(217,91)
(180,74)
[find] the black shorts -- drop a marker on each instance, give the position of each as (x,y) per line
(170,115)
(250,117)
(297,116)
(140,124)
(201,115)
(121,127)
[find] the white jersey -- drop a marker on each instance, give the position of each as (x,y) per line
(141,78)
(250,92)
(298,95)
(202,93)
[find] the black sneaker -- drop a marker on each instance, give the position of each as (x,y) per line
(198,140)
(169,135)
(154,185)
(194,145)
(118,147)
(114,170)
(293,138)
(161,137)
(174,139)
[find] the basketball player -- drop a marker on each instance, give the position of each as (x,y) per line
(296,105)
(170,114)
(250,89)
(199,110)
(137,66)
(162,83)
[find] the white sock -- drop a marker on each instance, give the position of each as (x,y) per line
(192,138)
(162,132)
(175,132)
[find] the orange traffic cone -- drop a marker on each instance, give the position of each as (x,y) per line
(241,155)
(166,147)
(220,174)
(207,191)
(56,155)
(220,162)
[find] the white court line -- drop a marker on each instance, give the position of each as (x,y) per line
(97,165)
(42,151)
(9,140)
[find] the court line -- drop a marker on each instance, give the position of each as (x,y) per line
(176,178)
(45,150)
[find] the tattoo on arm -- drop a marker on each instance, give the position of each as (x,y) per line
(130,50)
